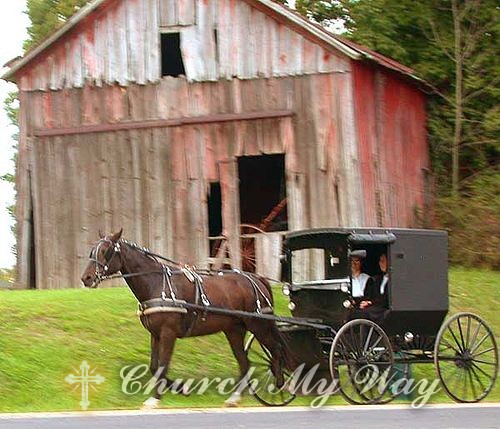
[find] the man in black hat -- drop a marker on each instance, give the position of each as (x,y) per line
(376,298)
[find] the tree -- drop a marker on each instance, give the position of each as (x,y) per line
(48,15)
(450,43)
(45,16)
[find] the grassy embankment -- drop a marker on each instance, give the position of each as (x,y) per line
(45,335)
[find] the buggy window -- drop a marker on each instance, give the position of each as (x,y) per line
(318,264)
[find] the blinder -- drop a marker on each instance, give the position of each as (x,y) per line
(109,254)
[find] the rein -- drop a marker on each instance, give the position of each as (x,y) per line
(166,301)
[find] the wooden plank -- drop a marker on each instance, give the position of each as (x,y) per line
(168,13)
(135,140)
(158,187)
(122,43)
(168,194)
(230,209)
(267,254)
(345,106)
(152,41)
(186,11)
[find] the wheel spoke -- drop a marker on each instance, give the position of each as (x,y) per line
(450,346)
(483,352)
(473,388)
(376,343)
(478,379)
(455,338)
(473,349)
(468,332)
(262,355)
(461,333)
(484,362)
(481,370)
(474,335)
(367,342)
(354,343)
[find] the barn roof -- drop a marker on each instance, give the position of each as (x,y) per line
(288,16)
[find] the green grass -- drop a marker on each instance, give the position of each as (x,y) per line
(45,335)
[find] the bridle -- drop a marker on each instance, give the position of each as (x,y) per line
(101,268)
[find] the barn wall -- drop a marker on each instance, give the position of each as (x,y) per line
(219,39)
(391,130)
(154,181)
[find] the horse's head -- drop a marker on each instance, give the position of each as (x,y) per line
(104,258)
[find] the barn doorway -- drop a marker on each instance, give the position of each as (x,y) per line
(263,192)
(263,203)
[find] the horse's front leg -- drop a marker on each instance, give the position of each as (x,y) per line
(153,361)
(164,346)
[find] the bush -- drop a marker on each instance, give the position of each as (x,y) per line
(473,222)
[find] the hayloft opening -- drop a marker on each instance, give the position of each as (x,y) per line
(171,56)
(263,192)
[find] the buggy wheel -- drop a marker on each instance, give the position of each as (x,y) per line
(466,357)
(266,391)
(362,363)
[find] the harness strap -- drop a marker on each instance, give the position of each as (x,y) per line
(257,290)
(160,305)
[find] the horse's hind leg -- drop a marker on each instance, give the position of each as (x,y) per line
(165,347)
(266,336)
(236,338)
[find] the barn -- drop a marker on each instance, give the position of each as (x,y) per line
(207,129)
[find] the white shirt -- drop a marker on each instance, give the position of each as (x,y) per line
(359,284)
(384,282)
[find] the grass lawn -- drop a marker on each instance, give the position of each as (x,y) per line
(45,335)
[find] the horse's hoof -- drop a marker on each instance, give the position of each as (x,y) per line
(150,404)
(233,401)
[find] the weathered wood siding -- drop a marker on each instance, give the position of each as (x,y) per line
(219,39)
(390,123)
(154,182)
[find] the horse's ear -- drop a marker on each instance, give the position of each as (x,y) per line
(101,235)
(117,236)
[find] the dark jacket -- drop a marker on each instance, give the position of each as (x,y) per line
(372,291)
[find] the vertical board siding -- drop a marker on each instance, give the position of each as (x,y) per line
(390,121)
(122,45)
(154,182)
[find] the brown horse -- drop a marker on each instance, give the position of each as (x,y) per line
(161,290)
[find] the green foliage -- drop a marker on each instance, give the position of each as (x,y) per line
(453,45)
(473,223)
(6,275)
(11,107)
(422,35)
(48,15)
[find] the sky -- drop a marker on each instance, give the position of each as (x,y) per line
(13,24)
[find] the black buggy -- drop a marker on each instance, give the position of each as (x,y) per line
(365,357)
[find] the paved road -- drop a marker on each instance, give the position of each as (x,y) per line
(436,417)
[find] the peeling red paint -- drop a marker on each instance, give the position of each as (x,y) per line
(393,150)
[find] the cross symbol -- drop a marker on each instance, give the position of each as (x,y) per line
(84,379)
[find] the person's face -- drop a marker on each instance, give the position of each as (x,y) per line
(355,265)
(382,263)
